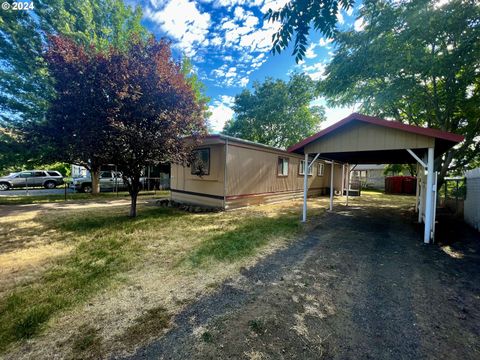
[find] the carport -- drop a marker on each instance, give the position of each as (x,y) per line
(361,139)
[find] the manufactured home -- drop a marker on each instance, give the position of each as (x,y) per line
(229,173)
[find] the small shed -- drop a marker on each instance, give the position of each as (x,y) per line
(361,139)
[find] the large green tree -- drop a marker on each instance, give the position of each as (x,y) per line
(415,62)
(25,85)
(276,113)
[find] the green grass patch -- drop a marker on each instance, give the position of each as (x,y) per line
(106,249)
(257,326)
(36,199)
(106,244)
(25,311)
(245,238)
(207,337)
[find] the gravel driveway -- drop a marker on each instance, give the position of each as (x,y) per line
(360,286)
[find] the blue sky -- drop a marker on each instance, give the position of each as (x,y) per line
(229,44)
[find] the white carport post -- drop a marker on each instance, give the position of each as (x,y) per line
(428,205)
(331,186)
(305,188)
(348,181)
(343,178)
(306,170)
(429,198)
(417,190)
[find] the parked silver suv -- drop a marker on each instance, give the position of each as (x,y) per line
(109,181)
(31,178)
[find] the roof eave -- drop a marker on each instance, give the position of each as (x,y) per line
(435,133)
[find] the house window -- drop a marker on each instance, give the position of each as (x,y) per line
(301,169)
(320,169)
(201,162)
(282,168)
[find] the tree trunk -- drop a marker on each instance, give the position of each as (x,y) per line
(95,173)
(133,190)
(133,204)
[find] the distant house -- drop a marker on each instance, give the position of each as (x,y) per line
(369,176)
(230,173)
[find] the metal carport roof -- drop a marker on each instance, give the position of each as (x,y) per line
(361,139)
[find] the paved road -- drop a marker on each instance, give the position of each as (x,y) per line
(34,192)
(361,286)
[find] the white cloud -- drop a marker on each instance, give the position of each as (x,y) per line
(325,42)
(227,100)
(229,3)
(221,112)
(251,20)
(244,81)
(359,24)
(239,13)
(260,39)
(310,54)
(333,114)
(236,35)
(315,71)
(340,18)
(182,20)
(350,11)
(232,72)
(274,5)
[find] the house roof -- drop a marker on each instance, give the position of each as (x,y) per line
(445,137)
(246,142)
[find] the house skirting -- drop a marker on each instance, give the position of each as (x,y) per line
(189,197)
(238,201)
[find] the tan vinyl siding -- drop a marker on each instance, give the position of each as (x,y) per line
(255,171)
(236,202)
(360,136)
(252,177)
(212,184)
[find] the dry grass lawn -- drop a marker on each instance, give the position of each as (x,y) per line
(86,281)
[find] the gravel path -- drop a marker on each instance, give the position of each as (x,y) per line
(360,286)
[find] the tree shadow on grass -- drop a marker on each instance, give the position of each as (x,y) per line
(244,239)
(84,223)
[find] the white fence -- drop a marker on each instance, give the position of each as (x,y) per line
(472,201)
